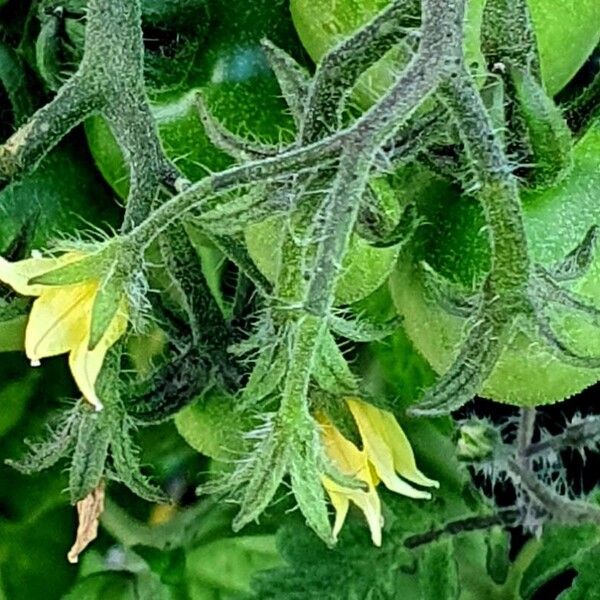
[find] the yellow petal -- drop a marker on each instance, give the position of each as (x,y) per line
(59,320)
(341,504)
(388,449)
(86,364)
(367,501)
(351,461)
(345,455)
(17,274)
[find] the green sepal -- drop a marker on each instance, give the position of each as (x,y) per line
(89,456)
(548,134)
(305,471)
(497,559)
(494,98)
(106,305)
(292,78)
(362,329)
(331,370)
(577,262)
(46,453)
(267,374)
(91,266)
(454,298)
(264,471)
(235,146)
(126,462)
(47,51)
(236,251)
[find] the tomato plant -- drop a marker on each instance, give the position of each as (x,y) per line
(229,68)
(567,32)
(268,332)
(455,246)
(365,267)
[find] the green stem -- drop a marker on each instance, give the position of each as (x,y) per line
(498,193)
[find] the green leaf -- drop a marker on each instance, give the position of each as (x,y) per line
(498,543)
(228,565)
(354,569)
(562,548)
(14,397)
(125,577)
(14,81)
(438,572)
(33,563)
(585,586)
(89,267)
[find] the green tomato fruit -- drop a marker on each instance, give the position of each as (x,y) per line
(567,32)
(231,71)
(365,267)
(455,245)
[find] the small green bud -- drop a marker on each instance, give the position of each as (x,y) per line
(476,441)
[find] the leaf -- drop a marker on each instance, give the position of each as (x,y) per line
(228,565)
(585,586)
(14,397)
(562,547)
(32,564)
(123,576)
(14,81)
(354,569)
(438,572)
(498,547)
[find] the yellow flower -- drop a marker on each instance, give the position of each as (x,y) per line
(386,453)
(60,319)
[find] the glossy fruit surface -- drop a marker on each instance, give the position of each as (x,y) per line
(230,69)
(567,32)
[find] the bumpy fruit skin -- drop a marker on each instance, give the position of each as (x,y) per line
(567,32)
(230,69)
(455,245)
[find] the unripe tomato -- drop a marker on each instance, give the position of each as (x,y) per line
(567,32)
(365,267)
(230,69)
(455,245)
